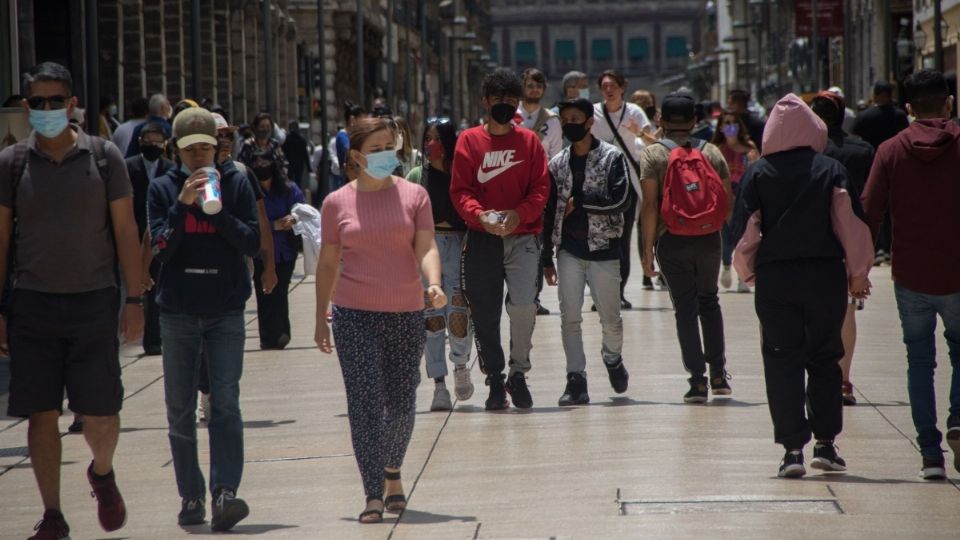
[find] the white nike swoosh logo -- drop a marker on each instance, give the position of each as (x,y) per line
(484,177)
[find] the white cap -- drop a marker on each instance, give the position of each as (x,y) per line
(836,90)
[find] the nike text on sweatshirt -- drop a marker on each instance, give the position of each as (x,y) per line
(500,172)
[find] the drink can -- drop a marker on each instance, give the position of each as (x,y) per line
(210,196)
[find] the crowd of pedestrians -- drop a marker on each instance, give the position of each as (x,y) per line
(424,244)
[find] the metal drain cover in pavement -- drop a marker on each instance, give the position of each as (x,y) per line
(716,505)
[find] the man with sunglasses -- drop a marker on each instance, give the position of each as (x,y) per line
(74,225)
(500,186)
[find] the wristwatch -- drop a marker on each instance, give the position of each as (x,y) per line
(135,300)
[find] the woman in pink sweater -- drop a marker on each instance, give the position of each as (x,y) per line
(377,238)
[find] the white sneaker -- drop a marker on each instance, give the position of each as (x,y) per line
(441,399)
(742,287)
(462,385)
(725,279)
(203,408)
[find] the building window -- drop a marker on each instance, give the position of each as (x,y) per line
(526,54)
(494,52)
(601,50)
(638,49)
(565,53)
(676,47)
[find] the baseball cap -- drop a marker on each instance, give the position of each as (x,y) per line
(832,97)
(222,122)
(581,104)
(195,125)
(678,108)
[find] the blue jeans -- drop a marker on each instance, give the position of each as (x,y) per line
(221,338)
(452,320)
(918,316)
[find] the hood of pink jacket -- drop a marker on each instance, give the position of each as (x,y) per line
(792,124)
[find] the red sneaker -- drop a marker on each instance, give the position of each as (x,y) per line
(110,508)
(51,527)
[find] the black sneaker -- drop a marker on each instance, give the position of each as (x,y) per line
(576,391)
(619,378)
(719,385)
(228,510)
(542,310)
(625,304)
(192,512)
(696,394)
(792,465)
(933,468)
(497,401)
(517,387)
(953,439)
(825,457)
(647,283)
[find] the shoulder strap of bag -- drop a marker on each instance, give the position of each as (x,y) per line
(21,152)
(616,134)
(542,116)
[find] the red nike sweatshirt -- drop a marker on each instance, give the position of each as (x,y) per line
(500,172)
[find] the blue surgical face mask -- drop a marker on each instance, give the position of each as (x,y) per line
(585,93)
(381,165)
(49,124)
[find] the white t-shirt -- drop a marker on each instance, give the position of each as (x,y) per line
(629,116)
(552,134)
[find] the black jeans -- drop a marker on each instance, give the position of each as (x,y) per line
(691,266)
(151,313)
(273,310)
(629,223)
(801,306)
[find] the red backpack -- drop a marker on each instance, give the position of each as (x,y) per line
(695,202)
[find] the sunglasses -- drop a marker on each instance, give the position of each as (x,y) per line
(55,102)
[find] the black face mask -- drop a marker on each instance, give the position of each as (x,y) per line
(263,173)
(502,113)
(263,134)
(151,152)
(575,132)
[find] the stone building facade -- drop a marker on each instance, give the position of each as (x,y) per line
(146,47)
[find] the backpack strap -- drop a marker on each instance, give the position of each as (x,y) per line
(21,153)
(669,144)
(100,156)
(542,117)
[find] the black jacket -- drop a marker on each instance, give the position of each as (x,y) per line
(879,123)
(204,269)
(855,154)
(137,170)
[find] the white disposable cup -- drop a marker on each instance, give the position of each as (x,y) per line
(210,196)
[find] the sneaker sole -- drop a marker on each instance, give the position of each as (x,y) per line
(722,392)
(584,401)
(697,399)
(441,408)
(225,523)
(824,464)
(953,441)
(933,473)
(187,522)
(502,407)
(792,471)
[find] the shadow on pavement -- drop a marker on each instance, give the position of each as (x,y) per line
(239,529)
(260,424)
(840,478)
(417,517)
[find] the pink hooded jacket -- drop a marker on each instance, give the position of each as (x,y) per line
(792,124)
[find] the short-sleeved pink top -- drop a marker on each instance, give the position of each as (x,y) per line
(375,231)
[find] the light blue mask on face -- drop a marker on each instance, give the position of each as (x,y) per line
(49,124)
(585,93)
(381,165)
